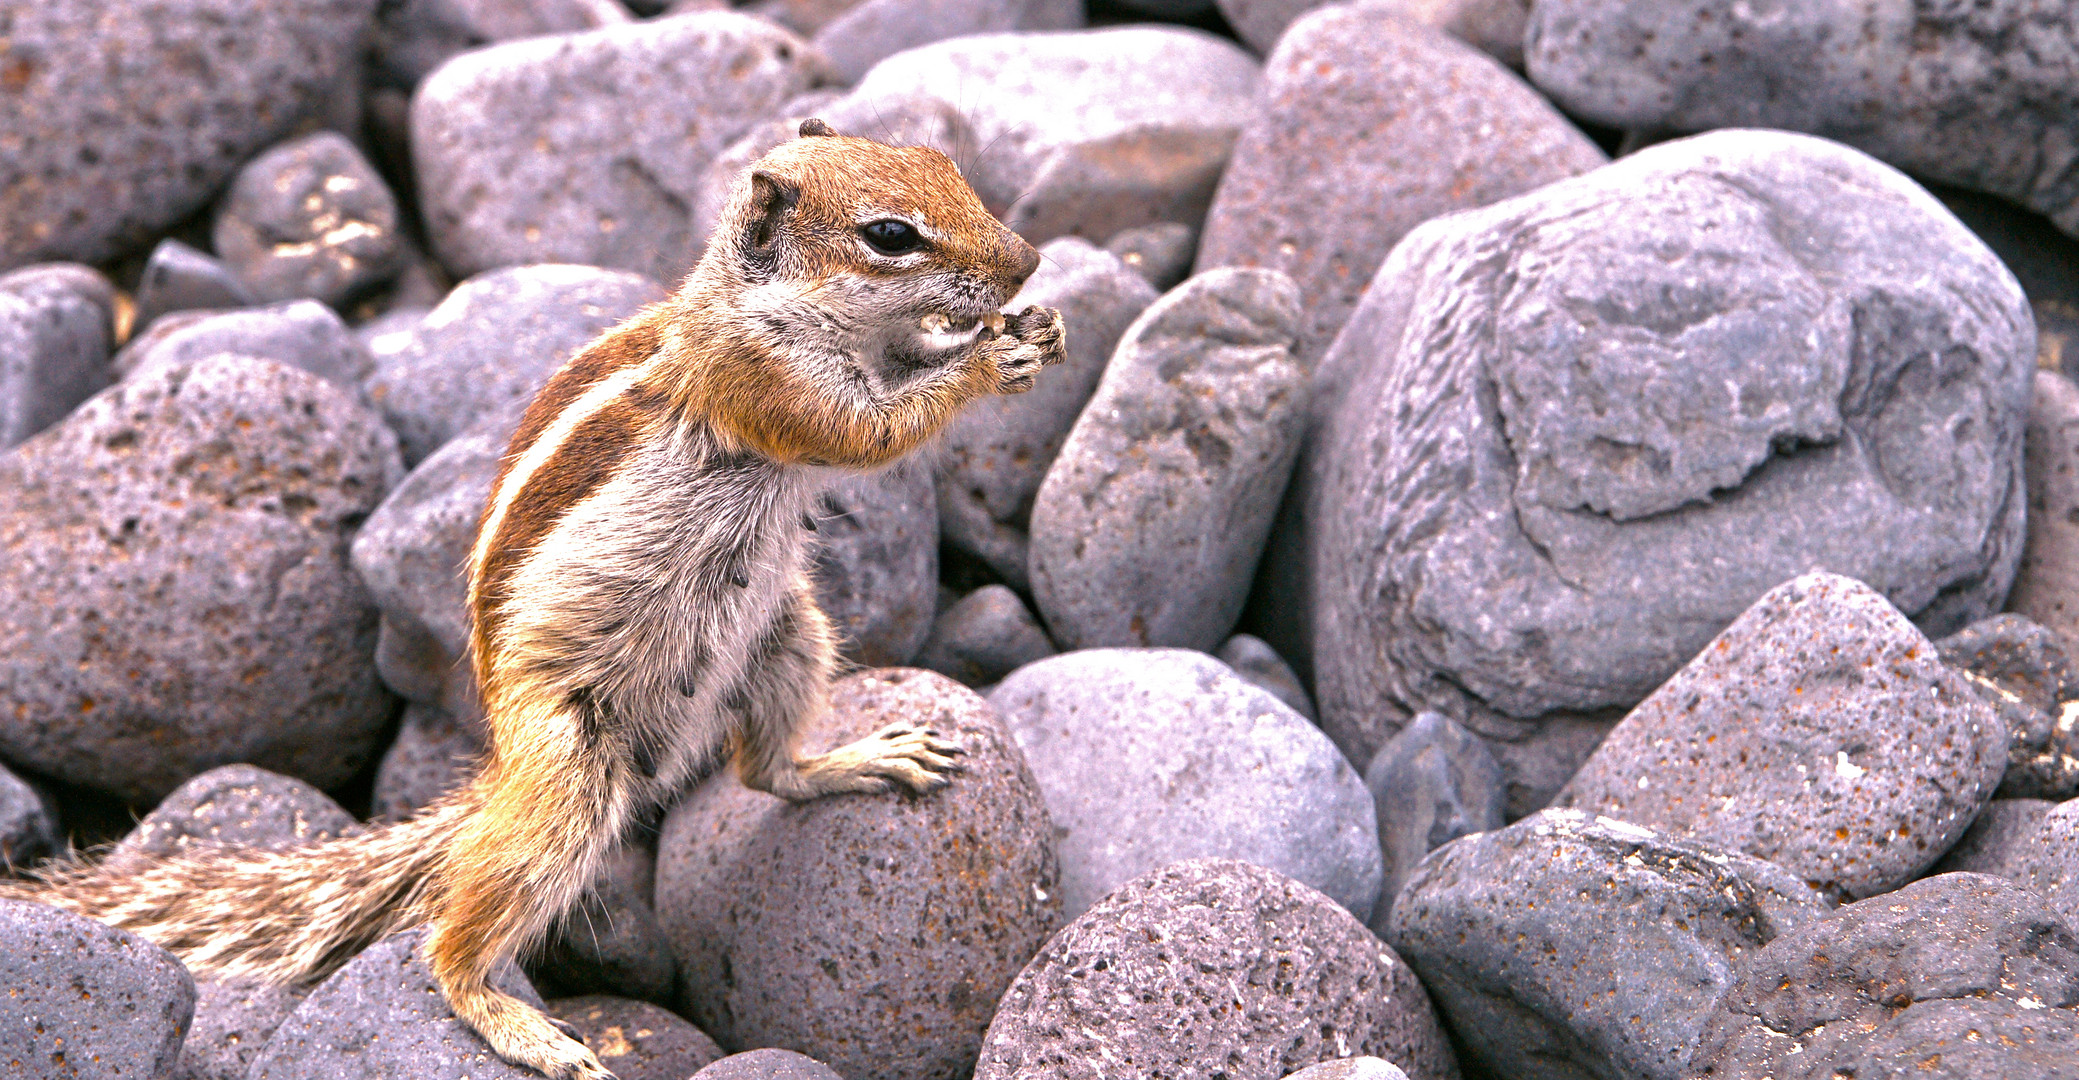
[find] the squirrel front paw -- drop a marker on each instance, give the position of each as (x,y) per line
(1031,339)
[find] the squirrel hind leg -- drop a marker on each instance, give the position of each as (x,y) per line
(523,1035)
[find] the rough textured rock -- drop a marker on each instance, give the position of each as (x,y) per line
(382,1016)
(55,324)
(412,37)
(2026,674)
(175,591)
(637,1040)
(122,117)
(301,333)
(2049,861)
(1978,95)
(876,567)
(1432,784)
(1959,976)
(2046,588)
(1152,756)
(432,755)
(1492,26)
(87,1000)
(767,1065)
(1253,659)
(233,1022)
(1995,842)
(1089,132)
(985,636)
(1356,145)
(1147,528)
(612,943)
(310,218)
(875,932)
(1702,370)
(1355,1068)
(1211,963)
(492,343)
(237,806)
(179,278)
(870,32)
(1820,731)
(28,825)
(994,455)
(584,148)
(1161,252)
(1572,946)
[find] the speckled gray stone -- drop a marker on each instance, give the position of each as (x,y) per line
(2027,674)
(870,32)
(180,278)
(875,932)
(994,455)
(1161,252)
(1253,659)
(1211,967)
(1995,841)
(636,1040)
(1148,525)
(2046,588)
(1953,978)
(767,1065)
(85,1000)
(174,591)
(1979,95)
(584,148)
(55,328)
(431,756)
(1356,145)
(1433,783)
(1354,1068)
(1151,756)
(1572,946)
(121,117)
(876,568)
(236,806)
(983,637)
(382,1016)
(1820,731)
(233,1022)
(412,37)
(300,333)
(1659,422)
(1090,132)
(2032,845)
(28,823)
(1494,27)
(310,218)
(492,343)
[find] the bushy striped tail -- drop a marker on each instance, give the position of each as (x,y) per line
(279,916)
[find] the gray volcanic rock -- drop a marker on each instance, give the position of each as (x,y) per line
(1089,132)
(1354,1068)
(611,943)
(309,218)
(382,1016)
(179,278)
(1954,978)
(174,591)
(767,1065)
(2049,862)
(1357,143)
(1161,252)
(1152,756)
(300,333)
(2026,674)
(236,806)
(876,569)
(121,117)
(1432,784)
(28,827)
(584,148)
(1820,731)
(55,328)
(85,1000)
(874,30)
(1533,526)
(412,37)
(1211,966)
(995,454)
(492,343)
(637,1040)
(433,754)
(1148,525)
(1997,841)
(1492,26)
(233,1021)
(985,636)
(1974,95)
(2046,588)
(1572,946)
(1253,659)
(873,931)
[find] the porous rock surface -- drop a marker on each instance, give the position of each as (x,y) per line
(983,637)
(87,1000)
(636,1040)
(2027,674)
(300,333)
(1433,783)
(236,806)
(55,325)
(309,218)
(2046,588)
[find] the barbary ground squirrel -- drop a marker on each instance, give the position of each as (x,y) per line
(638,587)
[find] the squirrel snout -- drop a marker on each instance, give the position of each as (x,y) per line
(1024,260)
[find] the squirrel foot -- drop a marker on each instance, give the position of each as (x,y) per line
(529,1038)
(918,758)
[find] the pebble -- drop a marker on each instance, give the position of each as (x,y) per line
(175,592)
(876,562)
(28,823)
(1253,659)
(1433,783)
(412,37)
(1089,132)
(1212,967)
(310,218)
(233,1021)
(1974,95)
(434,752)
(1153,756)
(636,1040)
(870,32)
(1161,252)
(85,1000)
(2046,589)
(583,148)
(180,278)
(492,343)
(124,118)
(55,323)
(983,637)
(1495,27)
(236,806)
(767,1065)
(1148,525)
(1614,502)
(2035,845)
(299,333)
(1996,840)
(2026,674)
(1821,731)
(875,932)
(994,455)
(1571,945)
(1953,978)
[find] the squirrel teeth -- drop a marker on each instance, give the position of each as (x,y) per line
(938,332)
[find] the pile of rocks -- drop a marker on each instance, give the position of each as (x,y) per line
(1466,606)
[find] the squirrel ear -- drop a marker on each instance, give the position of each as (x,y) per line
(813,126)
(771,197)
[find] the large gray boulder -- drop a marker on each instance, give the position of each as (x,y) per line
(1976,95)
(874,30)
(1698,372)
(236,806)
(86,1001)
(300,333)
(310,218)
(1493,26)
(56,322)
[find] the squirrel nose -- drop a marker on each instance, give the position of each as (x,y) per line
(1026,260)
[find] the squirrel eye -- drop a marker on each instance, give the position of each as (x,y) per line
(891,237)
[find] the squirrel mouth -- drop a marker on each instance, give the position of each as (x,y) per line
(942,331)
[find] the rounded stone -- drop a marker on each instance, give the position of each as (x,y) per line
(180,278)
(875,932)
(1432,784)
(303,334)
(2046,587)
(767,1065)
(874,30)
(2025,673)
(236,806)
(434,753)
(876,562)
(56,321)
(636,1040)
(1253,659)
(233,1021)
(983,637)
(28,824)
(85,1000)
(310,218)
